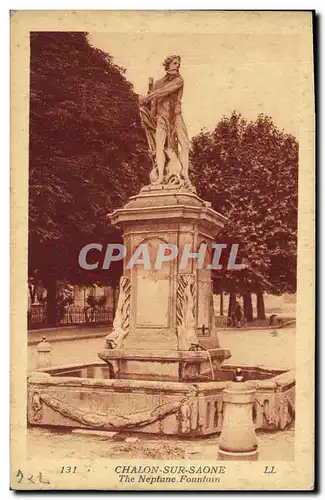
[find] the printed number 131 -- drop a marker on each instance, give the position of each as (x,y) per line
(68,470)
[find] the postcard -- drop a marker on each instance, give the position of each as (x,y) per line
(162,242)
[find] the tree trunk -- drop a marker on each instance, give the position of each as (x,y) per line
(32,293)
(114,286)
(248,306)
(260,306)
(232,304)
(51,309)
(221,303)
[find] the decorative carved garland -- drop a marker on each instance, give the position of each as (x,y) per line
(113,419)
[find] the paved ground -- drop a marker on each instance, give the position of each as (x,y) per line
(69,351)
(67,333)
(252,347)
(60,445)
(270,348)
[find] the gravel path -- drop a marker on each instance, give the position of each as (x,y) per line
(252,347)
(60,445)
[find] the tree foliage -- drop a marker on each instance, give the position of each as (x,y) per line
(249,171)
(87,148)
(88,153)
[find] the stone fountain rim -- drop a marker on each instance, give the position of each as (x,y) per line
(43,377)
(163,355)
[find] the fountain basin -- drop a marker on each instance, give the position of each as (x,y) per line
(84,396)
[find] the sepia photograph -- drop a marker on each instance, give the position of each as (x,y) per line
(163,218)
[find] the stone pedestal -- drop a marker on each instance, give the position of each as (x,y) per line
(165,315)
(44,354)
(238,438)
(141,364)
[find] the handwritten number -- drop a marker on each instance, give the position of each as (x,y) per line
(41,481)
(31,478)
(20,476)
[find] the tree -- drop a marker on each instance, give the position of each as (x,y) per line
(251,176)
(88,154)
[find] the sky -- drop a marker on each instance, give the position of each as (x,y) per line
(249,73)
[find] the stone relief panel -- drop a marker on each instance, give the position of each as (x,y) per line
(108,420)
(152,286)
(129,410)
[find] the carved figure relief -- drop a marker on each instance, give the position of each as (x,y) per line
(37,407)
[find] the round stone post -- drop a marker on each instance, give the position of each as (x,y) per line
(238,438)
(44,352)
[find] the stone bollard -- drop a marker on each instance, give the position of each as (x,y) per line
(238,438)
(44,352)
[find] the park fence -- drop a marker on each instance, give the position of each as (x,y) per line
(74,315)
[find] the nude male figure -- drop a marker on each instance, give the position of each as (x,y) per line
(164,120)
